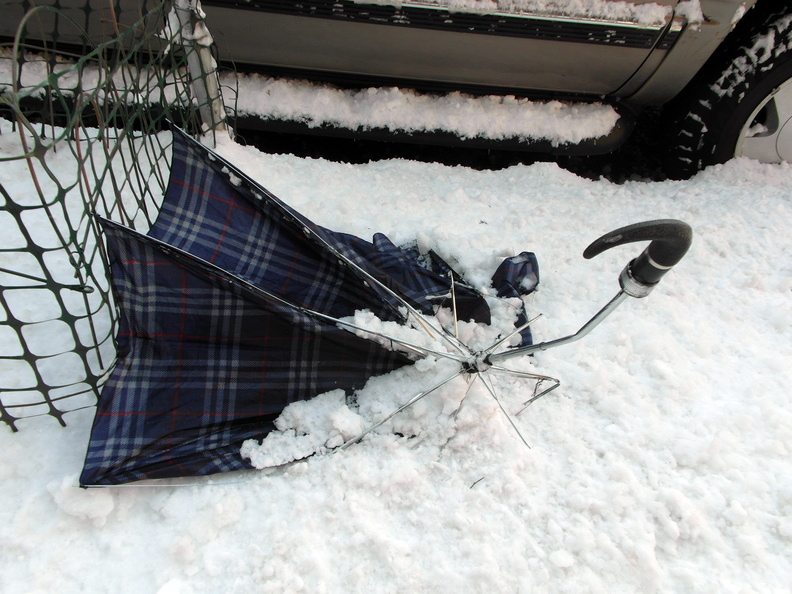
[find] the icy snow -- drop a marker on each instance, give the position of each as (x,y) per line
(661,464)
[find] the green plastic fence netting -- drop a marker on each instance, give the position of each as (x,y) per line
(87,88)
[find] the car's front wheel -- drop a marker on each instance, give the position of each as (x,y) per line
(740,104)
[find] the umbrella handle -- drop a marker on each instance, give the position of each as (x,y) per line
(670,240)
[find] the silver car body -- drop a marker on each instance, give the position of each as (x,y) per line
(530,53)
(613,53)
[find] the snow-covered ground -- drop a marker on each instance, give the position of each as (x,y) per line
(662,463)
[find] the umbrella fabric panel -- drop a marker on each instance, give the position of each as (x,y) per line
(246,231)
(215,212)
(205,363)
(517,276)
(425,281)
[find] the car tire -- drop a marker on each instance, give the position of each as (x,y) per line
(740,104)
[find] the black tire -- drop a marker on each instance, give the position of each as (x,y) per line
(712,115)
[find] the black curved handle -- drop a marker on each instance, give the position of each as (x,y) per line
(670,240)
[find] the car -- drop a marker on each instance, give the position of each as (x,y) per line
(719,70)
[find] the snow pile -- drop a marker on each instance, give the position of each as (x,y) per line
(691,11)
(493,116)
(661,464)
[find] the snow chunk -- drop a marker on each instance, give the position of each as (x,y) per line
(691,11)
(91,504)
(304,428)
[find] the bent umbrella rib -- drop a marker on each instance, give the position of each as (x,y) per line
(486,381)
(407,404)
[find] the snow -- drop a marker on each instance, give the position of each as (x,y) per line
(739,14)
(645,13)
(764,47)
(391,108)
(691,11)
(493,117)
(661,464)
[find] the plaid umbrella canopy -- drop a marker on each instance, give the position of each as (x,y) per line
(229,312)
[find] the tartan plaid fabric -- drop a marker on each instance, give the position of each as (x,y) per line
(248,232)
(215,212)
(204,363)
(214,340)
(424,281)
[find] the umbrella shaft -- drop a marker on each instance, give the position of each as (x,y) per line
(543,346)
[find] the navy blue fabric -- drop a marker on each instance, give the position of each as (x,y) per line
(216,334)
(215,212)
(204,363)
(246,231)
(425,282)
(515,277)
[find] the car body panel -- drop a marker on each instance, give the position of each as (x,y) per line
(629,62)
(542,55)
(690,52)
(71,23)
(535,53)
